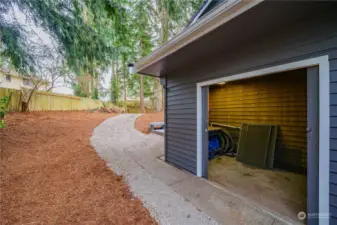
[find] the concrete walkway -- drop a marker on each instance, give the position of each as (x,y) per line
(173,196)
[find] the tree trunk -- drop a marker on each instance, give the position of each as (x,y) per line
(112,83)
(158,95)
(164,21)
(142,106)
(117,83)
(124,76)
(164,35)
(25,104)
(94,83)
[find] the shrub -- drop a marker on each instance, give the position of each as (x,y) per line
(95,96)
(3,110)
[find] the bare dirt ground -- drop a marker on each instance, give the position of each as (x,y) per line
(50,174)
(142,122)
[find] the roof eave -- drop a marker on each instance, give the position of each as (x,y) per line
(215,18)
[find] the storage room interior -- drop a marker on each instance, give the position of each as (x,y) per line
(257,144)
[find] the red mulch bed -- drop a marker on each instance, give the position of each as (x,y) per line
(50,174)
(142,122)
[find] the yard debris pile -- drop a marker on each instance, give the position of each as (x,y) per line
(111,110)
(143,121)
(50,174)
(105,109)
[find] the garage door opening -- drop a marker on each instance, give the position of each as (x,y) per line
(257,139)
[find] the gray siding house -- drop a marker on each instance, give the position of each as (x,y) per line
(233,40)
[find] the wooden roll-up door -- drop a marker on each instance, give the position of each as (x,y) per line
(278,99)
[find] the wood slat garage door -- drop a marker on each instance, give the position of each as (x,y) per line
(278,99)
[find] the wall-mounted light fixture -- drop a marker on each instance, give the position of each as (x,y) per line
(131,67)
(222,83)
(163,82)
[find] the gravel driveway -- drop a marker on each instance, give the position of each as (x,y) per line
(123,147)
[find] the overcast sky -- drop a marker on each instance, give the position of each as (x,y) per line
(47,40)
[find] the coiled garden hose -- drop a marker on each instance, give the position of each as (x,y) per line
(229,144)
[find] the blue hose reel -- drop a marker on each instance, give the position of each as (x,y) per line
(220,142)
(213,145)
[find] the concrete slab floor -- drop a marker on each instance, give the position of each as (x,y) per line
(222,206)
(279,191)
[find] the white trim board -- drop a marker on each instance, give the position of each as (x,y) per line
(324,119)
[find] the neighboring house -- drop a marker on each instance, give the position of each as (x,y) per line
(13,80)
(258,62)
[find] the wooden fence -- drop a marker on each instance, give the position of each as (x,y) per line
(46,101)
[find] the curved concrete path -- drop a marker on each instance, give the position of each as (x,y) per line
(173,196)
(126,151)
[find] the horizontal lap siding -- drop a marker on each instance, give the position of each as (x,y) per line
(278,99)
(311,37)
(180,127)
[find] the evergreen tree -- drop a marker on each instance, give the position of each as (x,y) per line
(92,36)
